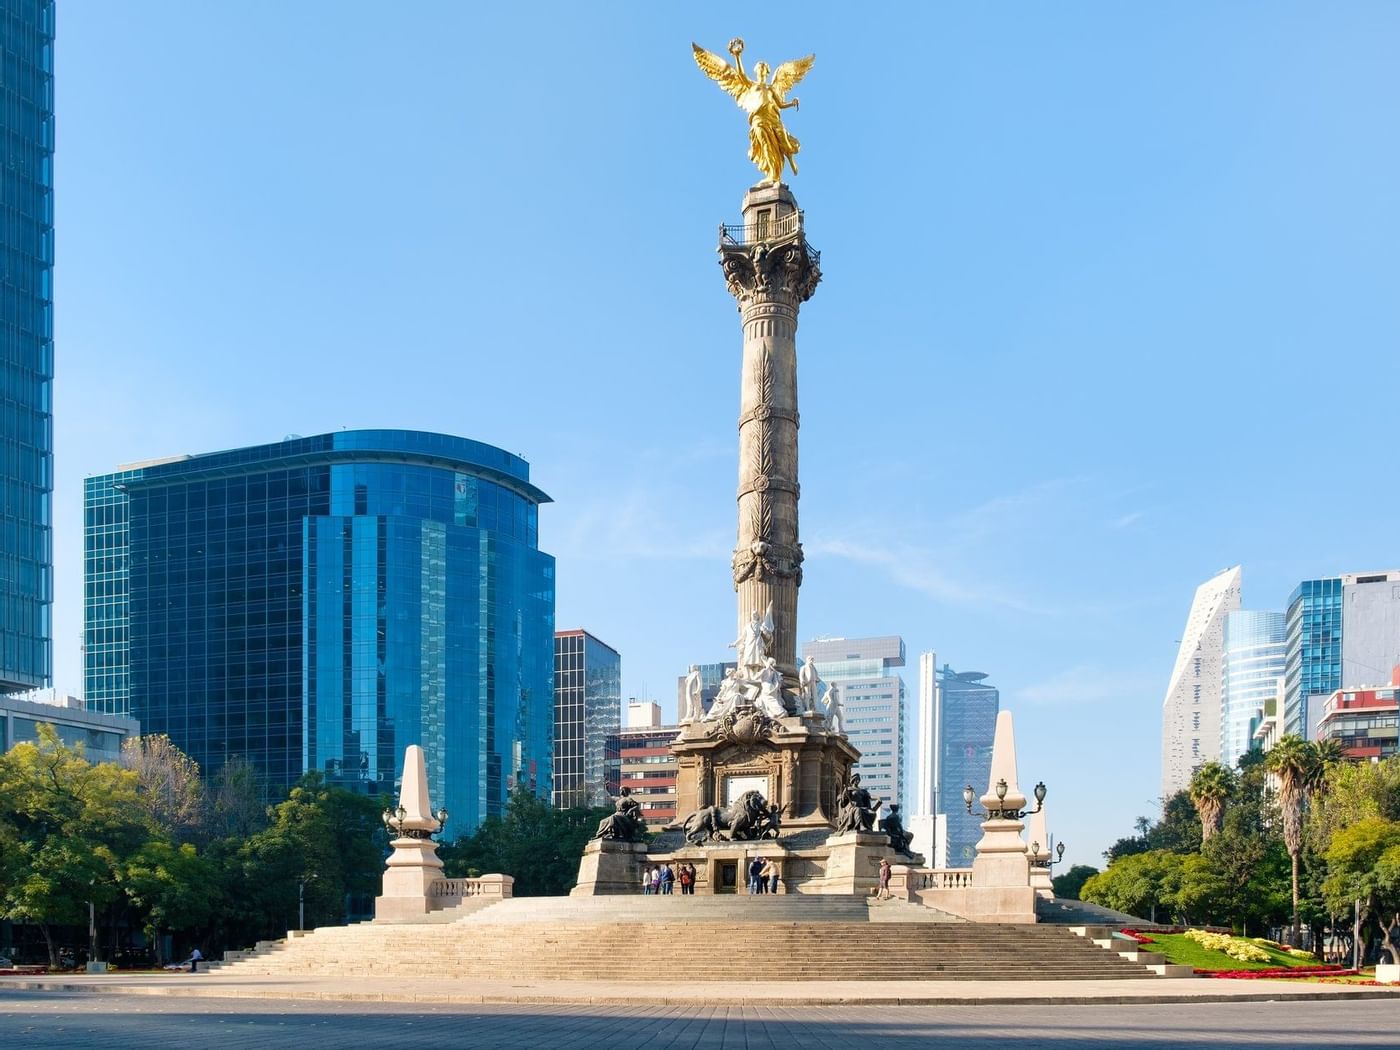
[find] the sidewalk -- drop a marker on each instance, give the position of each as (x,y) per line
(691,993)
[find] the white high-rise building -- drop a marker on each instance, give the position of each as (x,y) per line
(872,705)
(923,820)
(1191,709)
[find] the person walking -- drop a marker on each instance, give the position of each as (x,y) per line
(885,879)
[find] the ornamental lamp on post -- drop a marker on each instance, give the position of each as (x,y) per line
(1001,811)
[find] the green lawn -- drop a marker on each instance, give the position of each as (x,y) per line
(1180,949)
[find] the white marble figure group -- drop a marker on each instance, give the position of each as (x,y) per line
(758,682)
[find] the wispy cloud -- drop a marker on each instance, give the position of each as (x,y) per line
(917,568)
(1126,520)
(1083,684)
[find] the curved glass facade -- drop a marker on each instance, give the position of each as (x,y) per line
(26,342)
(1254,662)
(320,603)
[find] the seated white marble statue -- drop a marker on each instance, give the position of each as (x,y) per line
(770,690)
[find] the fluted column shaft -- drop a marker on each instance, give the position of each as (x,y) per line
(770,271)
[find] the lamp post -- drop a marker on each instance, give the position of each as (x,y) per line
(397,821)
(1048,863)
(301,901)
(1002,811)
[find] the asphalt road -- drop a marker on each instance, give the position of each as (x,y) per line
(75,1021)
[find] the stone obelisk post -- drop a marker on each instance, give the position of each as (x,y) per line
(771,271)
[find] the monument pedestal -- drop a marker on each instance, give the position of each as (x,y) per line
(408,877)
(794,762)
(853,865)
(610,867)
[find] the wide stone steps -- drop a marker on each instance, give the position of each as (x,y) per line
(544,950)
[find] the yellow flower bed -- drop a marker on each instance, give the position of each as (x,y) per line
(1234,947)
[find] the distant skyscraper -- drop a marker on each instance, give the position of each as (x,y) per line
(1191,708)
(1254,660)
(711,675)
(967,721)
(26,343)
(587,716)
(320,603)
(923,816)
(872,704)
(1342,631)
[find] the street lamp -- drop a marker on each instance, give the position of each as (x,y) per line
(1048,863)
(301,901)
(402,825)
(1001,811)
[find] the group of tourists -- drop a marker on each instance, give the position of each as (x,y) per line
(763,876)
(663,878)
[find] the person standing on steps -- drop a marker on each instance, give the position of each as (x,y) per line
(668,878)
(755,868)
(884,879)
(771,867)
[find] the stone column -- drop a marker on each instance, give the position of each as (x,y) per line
(771,271)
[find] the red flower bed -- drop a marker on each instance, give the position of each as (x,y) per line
(1141,938)
(1294,971)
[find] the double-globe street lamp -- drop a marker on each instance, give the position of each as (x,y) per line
(1036,862)
(1002,811)
(397,821)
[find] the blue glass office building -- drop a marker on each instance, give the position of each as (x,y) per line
(1313,641)
(1254,662)
(26,342)
(320,603)
(967,723)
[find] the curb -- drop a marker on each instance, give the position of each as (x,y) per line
(696,1000)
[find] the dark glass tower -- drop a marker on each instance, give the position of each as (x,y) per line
(320,603)
(26,342)
(967,724)
(587,715)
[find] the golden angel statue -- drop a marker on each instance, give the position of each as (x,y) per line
(770,145)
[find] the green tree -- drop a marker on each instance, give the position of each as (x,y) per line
(67,825)
(329,839)
(1136,884)
(1068,884)
(168,783)
(172,885)
(1211,787)
(538,845)
(1364,866)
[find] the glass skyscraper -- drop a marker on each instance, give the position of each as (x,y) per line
(1313,639)
(587,717)
(1254,662)
(26,343)
(967,721)
(320,603)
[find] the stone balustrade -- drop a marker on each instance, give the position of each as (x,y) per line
(443,893)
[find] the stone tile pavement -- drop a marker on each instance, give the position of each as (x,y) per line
(41,1020)
(627,990)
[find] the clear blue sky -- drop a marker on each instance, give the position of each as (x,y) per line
(1110,304)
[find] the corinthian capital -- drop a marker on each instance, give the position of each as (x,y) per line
(786,272)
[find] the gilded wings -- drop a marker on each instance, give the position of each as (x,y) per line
(771,147)
(730,78)
(789,74)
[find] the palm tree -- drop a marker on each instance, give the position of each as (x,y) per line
(1295,763)
(1211,785)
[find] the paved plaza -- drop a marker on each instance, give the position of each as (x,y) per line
(76,1021)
